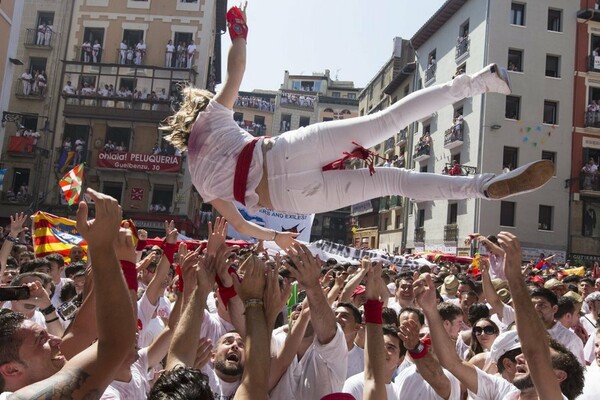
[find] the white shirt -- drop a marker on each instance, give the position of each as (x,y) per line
(137,388)
(321,371)
(356,383)
(356,361)
(591,389)
(191,49)
(410,385)
(221,390)
(213,327)
(56,298)
(69,89)
(170,48)
(491,387)
(568,339)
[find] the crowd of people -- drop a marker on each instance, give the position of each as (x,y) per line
(180,56)
(44,33)
(423,146)
(34,83)
(224,322)
(305,101)
(255,102)
(589,174)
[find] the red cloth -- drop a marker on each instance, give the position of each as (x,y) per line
(236,23)
(360,153)
(455,170)
(242,168)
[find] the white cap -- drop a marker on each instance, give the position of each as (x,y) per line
(504,343)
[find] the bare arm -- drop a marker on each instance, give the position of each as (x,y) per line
(444,347)
(236,65)
(427,366)
(355,280)
(532,334)
(307,272)
(16,227)
(88,374)
(155,289)
(488,288)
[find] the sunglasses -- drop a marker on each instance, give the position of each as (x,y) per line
(488,330)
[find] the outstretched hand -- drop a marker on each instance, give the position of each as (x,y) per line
(16,224)
(425,293)
(285,240)
(513,254)
(216,235)
(102,230)
(170,232)
(253,284)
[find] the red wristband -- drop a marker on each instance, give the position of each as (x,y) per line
(180,275)
(422,353)
(236,24)
(373,312)
(130,274)
(226,294)
(169,249)
(141,245)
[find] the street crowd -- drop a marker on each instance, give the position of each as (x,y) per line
(134,321)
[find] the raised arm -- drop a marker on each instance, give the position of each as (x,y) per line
(236,60)
(88,374)
(16,227)
(155,288)
(532,334)
(230,212)
(307,271)
(488,288)
(445,349)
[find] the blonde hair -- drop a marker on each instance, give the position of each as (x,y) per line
(180,124)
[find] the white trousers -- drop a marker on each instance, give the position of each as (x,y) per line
(298,184)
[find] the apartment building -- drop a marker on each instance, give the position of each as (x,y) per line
(116,80)
(493,132)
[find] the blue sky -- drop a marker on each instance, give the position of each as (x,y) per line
(351,38)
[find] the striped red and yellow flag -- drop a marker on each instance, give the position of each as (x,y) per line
(52,234)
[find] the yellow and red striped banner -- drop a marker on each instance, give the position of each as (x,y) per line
(52,234)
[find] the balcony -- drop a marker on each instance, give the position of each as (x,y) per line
(453,137)
(256,102)
(401,137)
(463,170)
(593,63)
(589,182)
(38,40)
(139,162)
(117,108)
(400,162)
(451,233)
(422,152)
(21,146)
(420,235)
(298,100)
(26,90)
(592,119)
(462,47)
(389,145)
(430,74)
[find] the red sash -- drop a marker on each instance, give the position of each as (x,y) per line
(242,168)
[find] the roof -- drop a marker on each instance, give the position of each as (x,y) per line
(404,73)
(437,20)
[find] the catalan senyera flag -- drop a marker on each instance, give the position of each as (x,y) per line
(52,234)
(71,184)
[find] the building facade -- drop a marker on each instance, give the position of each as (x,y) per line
(493,132)
(120,74)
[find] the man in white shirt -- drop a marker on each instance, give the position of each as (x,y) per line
(169,54)
(404,296)
(26,79)
(69,88)
(191,51)
(350,320)
(591,390)
(57,264)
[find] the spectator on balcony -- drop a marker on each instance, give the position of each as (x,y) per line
(78,151)
(86,49)
(69,89)
(109,147)
(26,80)
(590,171)
(123,52)
(48,33)
(593,106)
(181,55)
(32,134)
(431,62)
(455,170)
(42,82)
(507,168)
(41,32)
(140,52)
(129,56)
(596,51)
(191,51)
(512,66)
(121,148)
(96,48)
(169,54)
(67,145)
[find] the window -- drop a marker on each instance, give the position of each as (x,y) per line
(132,37)
(118,136)
(81,133)
(427,128)
(590,227)
(510,157)
(238,116)
(464,29)
(162,196)
(286,120)
(552,66)
(545,218)
(37,64)
(507,213)
(259,126)
(398,220)
(20,178)
(423,168)
(351,96)
(554,20)
(304,121)
(336,94)
(550,112)
(515,60)
(452,213)
(113,189)
(421,218)
(30,122)
(455,157)
(513,107)
(550,155)
(92,35)
(517,14)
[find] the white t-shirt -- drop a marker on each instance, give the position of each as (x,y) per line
(508,318)
(411,385)
(137,388)
(56,298)
(356,361)
(222,390)
(493,387)
(150,332)
(591,389)
(568,339)
(355,386)
(589,324)
(213,327)
(321,371)
(213,149)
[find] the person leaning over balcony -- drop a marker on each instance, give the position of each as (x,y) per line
(299,171)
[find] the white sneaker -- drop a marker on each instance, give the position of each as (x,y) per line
(521,180)
(493,79)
